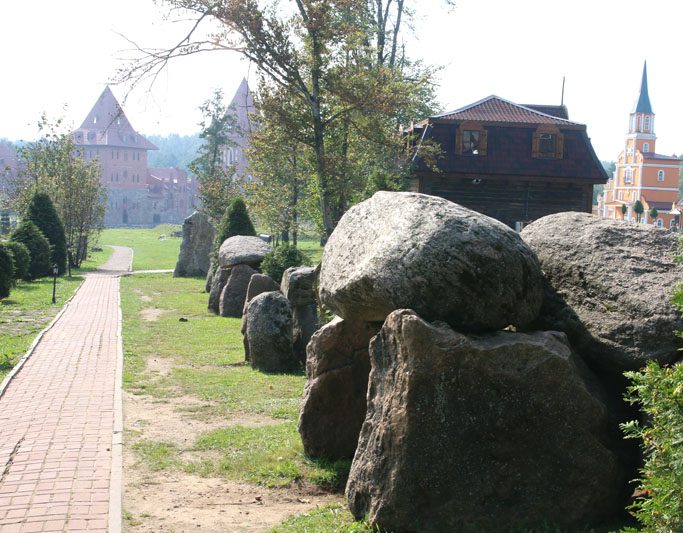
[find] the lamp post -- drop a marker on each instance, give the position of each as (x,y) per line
(55,271)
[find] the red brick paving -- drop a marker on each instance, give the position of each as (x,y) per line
(59,418)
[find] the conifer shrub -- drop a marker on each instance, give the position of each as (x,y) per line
(6,271)
(280,259)
(38,246)
(22,259)
(41,211)
(235,221)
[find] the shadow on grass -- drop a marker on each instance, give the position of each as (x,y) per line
(334,473)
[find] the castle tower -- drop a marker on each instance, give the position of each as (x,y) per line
(241,107)
(644,187)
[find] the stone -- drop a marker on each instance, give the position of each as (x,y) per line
(269,333)
(195,248)
(218,281)
(234,293)
(298,286)
(333,408)
(241,249)
(496,432)
(257,284)
(409,250)
(209,276)
(609,286)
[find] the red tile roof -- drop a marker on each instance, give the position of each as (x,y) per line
(496,109)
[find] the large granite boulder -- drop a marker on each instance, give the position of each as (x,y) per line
(609,288)
(195,249)
(240,250)
(333,408)
(298,286)
(491,433)
(269,333)
(258,284)
(218,281)
(409,250)
(234,292)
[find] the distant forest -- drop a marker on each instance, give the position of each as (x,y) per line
(174,150)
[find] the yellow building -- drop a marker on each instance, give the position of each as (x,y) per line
(644,187)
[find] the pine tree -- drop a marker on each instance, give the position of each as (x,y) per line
(22,259)
(235,221)
(42,212)
(38,246)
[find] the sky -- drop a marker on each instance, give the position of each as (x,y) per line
(57,57)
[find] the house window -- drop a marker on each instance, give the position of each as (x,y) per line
(621,195)
(547,143)
(646,147)
(470,142)
(470,139)
(647,123)
(660,175)
(659,223)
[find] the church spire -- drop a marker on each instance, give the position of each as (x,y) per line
(643,104)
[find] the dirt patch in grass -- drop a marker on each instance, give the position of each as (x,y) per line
(152,314)
(174,500)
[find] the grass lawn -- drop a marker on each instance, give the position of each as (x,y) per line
(154,248)
(29,309)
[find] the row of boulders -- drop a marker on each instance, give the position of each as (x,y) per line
(451,422)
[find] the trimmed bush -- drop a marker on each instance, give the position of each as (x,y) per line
(38,246)
(22,259)
(280,259)
(235,221)
(6,271)
(42,212)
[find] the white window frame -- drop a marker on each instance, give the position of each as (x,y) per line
(660,175)
(659,223)
(646,148)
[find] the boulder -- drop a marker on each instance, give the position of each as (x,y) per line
(209,276)
(269,333)
(609,287)
(234,293)
(257,284)
(195,249)
(218,281)
(333,408)
(298,286)
(240,250)
(409,250)
(497,432)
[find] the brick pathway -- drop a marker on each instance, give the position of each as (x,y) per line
(60,418)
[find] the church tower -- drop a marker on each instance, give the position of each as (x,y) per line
(644,187)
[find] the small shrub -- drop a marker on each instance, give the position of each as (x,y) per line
(38,246)
(41,211)
(281,258)
(22,259)
(235,221)
(6,271)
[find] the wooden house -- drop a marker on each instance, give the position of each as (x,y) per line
(512,162)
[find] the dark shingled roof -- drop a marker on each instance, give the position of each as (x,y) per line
(496,109)
(643,104)
(652,155)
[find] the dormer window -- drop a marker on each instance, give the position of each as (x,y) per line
(471,139)
(547,143)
